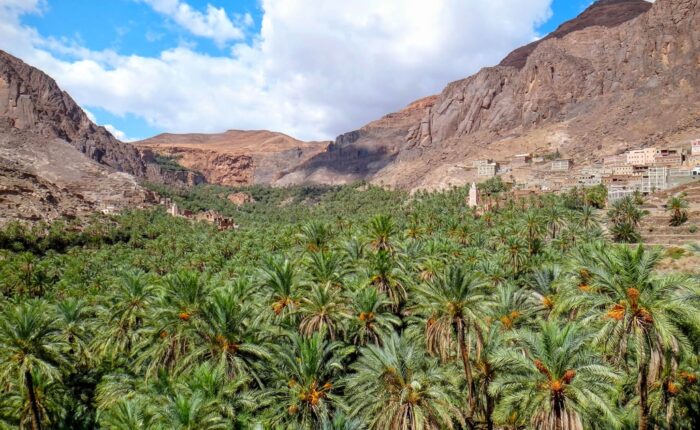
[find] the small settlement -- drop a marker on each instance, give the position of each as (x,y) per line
(645,170)
(212,217)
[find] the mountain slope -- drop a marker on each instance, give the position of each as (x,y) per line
(589,91)
(234,157)
(53,160)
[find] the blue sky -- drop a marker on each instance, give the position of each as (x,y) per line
(294,77)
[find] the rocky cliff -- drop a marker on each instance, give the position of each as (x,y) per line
(54,162)
(32,101)
(235,157)
(625,73)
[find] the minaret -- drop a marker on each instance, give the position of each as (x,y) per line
(473,196)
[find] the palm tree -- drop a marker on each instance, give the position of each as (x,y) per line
(125,313)
(395,386)
(371,319)
(280,278)
(327,267)
(30,344)
(452,307)
(382,228)
(387,276)
(172,331)
(678,206)
(232,338)
(315,236)
(656,315)
(128,414)
(305,382)
(323,311)
(190,412)
(625,216)
(555,381)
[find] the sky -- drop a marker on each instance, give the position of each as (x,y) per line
(309,68)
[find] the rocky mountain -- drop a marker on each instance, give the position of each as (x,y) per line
(623,74)
(53,160)
(234,157)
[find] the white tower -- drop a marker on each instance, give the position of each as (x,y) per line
(473,196)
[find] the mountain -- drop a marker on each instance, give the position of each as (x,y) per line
(623,74)
(234,157)
(53,160)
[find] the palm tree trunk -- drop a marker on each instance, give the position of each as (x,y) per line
(464,353)
(642,387)
(489,409)
(29,384)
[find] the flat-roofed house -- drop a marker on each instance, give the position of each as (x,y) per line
(615,159)
(487,170)
(478,163)
(521,160)
(561,165)
(641,157)
(695,147)
(668,158)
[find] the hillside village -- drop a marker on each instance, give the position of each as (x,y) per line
(645,170)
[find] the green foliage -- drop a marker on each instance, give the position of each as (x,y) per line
(345,308)
(678,207)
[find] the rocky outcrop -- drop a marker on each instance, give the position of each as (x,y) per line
(658,49)
(605,13)
(234,158)
(623,74)
(360,154)
(240,199)
(32,101)
(47,178)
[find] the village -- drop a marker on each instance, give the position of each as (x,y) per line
(644,170)
(212,217)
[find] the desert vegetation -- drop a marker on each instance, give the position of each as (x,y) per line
(347,308)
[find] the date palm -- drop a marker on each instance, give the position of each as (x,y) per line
(323,310)
(128,414)
(555,381)
(388,277)
(125,312)
(382,230)
(303,392)
(397,387)
(30,344)
(315,236)
(452,307)
(280,278)
(371,320)
(678,206)
(327,267)
(634,307)
(193,411)
(171,333)
(230,338)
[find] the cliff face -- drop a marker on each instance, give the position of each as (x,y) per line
(54,162)
(32,101)
(625,73)
(657,50)
(235,157)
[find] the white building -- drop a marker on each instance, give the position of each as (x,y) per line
(656,179)
(695,148)
(561,165)
(641,157)
(487,170)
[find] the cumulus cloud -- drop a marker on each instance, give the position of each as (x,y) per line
(215,24)
(317,68)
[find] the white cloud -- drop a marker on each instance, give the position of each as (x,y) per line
(215,24)
(318,68)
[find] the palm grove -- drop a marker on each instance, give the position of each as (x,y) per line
(346,308)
